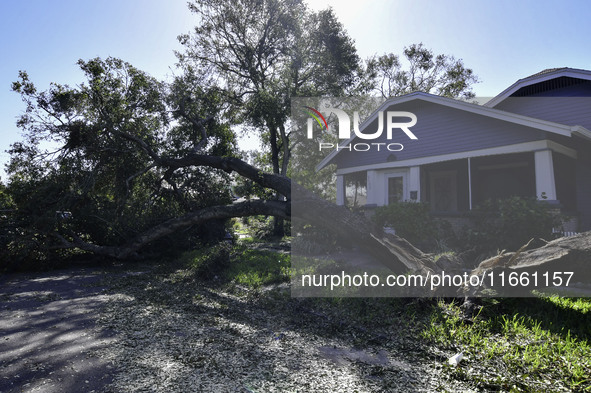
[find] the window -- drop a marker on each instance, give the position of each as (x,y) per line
(356,189)
(395,189)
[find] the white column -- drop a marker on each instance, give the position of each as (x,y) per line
(545,184)
(470,183)
(414,183)
(340,190)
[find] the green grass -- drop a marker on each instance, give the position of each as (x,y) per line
(445,253)
(518,344)
(238,264)
(581,305)
(255,268)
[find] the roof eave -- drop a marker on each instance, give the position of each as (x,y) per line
(582,132)
(530,80)
(527,121)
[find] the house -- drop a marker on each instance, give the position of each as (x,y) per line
(532,140)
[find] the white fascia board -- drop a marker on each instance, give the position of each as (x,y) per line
(571,73)
(581,131)
(558,148)
(509,149)
(544,125)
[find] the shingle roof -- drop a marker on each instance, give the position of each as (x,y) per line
(549,70)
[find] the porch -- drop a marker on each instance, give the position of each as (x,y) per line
(456,186)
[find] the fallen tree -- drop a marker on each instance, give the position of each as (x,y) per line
(565,254)
(561,263)
(399,255)
(138,161)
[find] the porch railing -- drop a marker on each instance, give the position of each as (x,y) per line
(561,233)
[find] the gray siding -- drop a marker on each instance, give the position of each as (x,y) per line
(440,130)
(583,186)
(565,110)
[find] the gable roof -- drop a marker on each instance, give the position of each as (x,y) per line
(542,76)
(556,128)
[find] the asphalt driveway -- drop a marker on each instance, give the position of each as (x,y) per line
(49,335)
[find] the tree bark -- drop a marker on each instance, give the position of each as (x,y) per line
(561,256)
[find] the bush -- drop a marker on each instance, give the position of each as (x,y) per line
(410,220)
(508,224)
(208,262)
(238,264)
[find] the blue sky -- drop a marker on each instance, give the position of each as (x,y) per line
(501,40)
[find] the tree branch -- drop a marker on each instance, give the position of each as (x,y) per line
(242,209)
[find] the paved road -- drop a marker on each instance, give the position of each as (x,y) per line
(49,335)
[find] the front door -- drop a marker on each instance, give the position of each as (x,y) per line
(395,189)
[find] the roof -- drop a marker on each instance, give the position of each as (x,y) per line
(546,71)
(556,128)
(542,76)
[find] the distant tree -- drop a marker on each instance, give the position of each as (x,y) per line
(436,74)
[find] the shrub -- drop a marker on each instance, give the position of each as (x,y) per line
(508,224)
(208,262)
(410,220)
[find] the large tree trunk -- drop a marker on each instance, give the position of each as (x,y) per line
(397,253)
(550,264)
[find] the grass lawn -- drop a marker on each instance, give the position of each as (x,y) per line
(224,320)
(528,344)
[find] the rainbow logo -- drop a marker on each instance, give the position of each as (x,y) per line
(315,114)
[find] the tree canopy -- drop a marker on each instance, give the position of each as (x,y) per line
(89,151)
(265,52)
(121,162)
(437,74)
